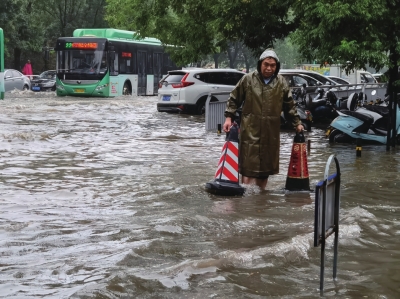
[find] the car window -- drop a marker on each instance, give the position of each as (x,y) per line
(312,81)
(216,78)
(235,78)
(16,74)
(299,81)
(8,74)
(339,81)
(288,79)
(320,78)
(203,77)
(368,78)
(173,78)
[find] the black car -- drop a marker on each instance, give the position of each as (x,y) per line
(46,81)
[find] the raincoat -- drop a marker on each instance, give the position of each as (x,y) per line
(27,69)
(259,137)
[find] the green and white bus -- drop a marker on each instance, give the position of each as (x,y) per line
(2,87)
(108,63)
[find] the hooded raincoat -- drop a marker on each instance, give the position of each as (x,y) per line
(259,138)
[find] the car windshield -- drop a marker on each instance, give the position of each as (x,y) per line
(48,75)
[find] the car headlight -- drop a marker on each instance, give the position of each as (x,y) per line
(48,84)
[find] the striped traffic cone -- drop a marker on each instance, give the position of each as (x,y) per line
(297,177)
(226,180)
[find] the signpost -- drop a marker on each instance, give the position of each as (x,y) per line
(327,201)
(2,87)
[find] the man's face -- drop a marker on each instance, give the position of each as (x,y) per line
(268,67)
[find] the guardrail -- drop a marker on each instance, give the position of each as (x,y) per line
(345,90)
(215,111)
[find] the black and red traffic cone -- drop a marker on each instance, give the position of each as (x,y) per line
(226,180)
(297,176)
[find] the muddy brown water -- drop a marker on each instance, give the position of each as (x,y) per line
(105,198)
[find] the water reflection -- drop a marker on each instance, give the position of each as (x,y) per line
(105,198)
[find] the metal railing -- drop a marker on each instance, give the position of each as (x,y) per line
(343,91)
(215,111)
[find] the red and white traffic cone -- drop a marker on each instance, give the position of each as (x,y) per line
(297,177)
(226,180)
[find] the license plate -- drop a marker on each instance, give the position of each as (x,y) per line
(166,98)
(79,90)
(35,88)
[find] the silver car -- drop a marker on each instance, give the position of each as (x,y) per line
(14,79)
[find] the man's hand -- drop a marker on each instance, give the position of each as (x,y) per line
(227,124)
(299,128)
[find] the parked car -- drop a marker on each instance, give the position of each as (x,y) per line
(317,76)
(14,79)
(46,81)
(380,78)
(297,80)
(186,91)
(339,80)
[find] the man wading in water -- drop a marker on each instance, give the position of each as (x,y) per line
(263,95)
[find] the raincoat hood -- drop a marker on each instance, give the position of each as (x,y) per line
(269,53)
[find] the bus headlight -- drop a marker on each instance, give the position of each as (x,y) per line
(100,87)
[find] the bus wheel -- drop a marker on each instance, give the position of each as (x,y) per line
(127,90)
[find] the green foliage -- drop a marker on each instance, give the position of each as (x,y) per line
(30,25)
(200,27)
(353,33)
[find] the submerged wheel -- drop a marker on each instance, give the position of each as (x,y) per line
(127,90)
(201,105)
(26,87)
(337,136)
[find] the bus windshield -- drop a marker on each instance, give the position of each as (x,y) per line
(82,64)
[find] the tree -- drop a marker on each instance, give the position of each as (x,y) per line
(22,31)
(201,27)
(355,33)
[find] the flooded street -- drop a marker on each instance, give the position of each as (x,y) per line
(105,198)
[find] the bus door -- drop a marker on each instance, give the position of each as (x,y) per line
(157,70)
(142,72)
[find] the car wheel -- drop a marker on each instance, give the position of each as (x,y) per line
(26,87)
(127,90)
(337,136)
(201,105)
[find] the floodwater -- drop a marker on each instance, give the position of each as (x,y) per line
(105,198)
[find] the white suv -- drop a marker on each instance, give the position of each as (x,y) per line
(186,91)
